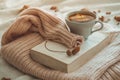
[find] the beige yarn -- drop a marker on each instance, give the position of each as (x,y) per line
(33,27)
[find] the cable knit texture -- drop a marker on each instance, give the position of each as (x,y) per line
(32,27)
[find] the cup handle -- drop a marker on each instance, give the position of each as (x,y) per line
(99,28)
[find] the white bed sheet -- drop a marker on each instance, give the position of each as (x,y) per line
(9,11)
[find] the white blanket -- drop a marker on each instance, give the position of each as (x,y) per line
(9,10)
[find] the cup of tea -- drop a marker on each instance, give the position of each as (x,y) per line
(82,22)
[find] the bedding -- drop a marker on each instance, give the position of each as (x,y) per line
(104,66)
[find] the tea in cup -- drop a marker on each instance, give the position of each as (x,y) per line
(82,22)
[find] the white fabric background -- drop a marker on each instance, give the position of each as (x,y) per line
(9,11)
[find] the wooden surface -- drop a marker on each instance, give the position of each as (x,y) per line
(60,61)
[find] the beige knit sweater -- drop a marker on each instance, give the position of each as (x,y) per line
(32,27)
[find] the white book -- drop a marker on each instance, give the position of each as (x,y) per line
(60,61)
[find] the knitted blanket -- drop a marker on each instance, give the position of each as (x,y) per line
(32,27)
